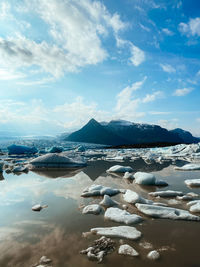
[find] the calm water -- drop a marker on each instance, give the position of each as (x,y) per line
(57,230)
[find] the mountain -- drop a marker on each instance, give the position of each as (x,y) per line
(186,136)
(94,132)
(119,132)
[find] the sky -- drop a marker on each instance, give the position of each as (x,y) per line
(63,62)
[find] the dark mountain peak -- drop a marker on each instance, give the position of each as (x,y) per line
(92,122)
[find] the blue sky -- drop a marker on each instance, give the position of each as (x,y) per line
(63,62)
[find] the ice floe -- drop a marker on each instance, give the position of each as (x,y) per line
(18,149)
(144,178)
(153,255)
(92,209)
(194,205)
(188,167)
(54,160)
(128,232)
(120,169)
(127,250)
(193,182)
(133,197)
(166,212)
(99,190)
(122,216)
(167,193)
(38,207)
(108,202)
(128,175)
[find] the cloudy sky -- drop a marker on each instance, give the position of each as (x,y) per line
(63,62)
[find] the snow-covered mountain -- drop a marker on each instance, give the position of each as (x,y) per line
(120,132)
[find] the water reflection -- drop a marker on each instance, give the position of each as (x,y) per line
(57,173)
(57,231)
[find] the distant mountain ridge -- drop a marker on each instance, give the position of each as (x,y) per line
(120,132)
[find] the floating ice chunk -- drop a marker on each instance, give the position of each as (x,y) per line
(17,149)
(45,260)
(188,167)
(153,255)
(161,183)
(38,207)
(188,196)
(127,250)
(80,149)
(194,205)
(166,212)
(128,232)
(92,209)
(122,216)
(20,169)
(116,158)
(133,197)
(167,193)
(128,175)
(120,169)
(108,202)
(193,182)
(55,149)
(144,178)
(53,160)
(99,190)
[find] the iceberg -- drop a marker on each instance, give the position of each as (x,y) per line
(133,197)
(17,150)
(167,193)
(128,232)
(127,250)
(54,160)
(92,209)
(188,167)
(55,149)
(99,190)
(122,216)
(193,182)
(153,255)
(144,178)
(120,169)
(166,212)
(194,205)
(108,202)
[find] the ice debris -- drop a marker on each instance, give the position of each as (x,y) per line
(153,255)
(17,149)
(38,207)
(120,169)
(108,202)
(128,232)
(54,160)
(167,193)
(133,197)
(100,248)
(166,212)
(92,209)
(188,167)
(193,182)
(122,216)
(127,250)
(194,205)
(99,190)
(128,175)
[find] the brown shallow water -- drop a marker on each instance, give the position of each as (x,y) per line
(57,230)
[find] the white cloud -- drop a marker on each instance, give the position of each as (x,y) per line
(167,31)
(159,112)
(168,68)
(76,41)
(152,97)
(6,74)
(182,92)
(137,54)
(126,106)
(191,28)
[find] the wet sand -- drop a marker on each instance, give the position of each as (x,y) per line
(57,230)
